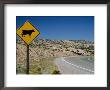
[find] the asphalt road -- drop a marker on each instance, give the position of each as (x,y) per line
(75,65)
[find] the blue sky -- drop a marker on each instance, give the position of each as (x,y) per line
(61,27)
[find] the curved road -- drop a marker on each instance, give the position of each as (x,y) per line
(75,65)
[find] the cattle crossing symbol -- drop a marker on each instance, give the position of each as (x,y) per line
(27,32)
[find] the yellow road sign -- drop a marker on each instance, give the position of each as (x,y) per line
(27,32)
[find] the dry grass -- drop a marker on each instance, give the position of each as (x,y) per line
(42,55)
(43,66)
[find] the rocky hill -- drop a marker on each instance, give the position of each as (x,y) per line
(43,51)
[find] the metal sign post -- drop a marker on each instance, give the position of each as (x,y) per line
(27,64)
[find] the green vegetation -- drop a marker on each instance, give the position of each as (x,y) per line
(47,65)
(43,52)
(32,45)
(18,42)
(56,72)
(44,66)
(21,69)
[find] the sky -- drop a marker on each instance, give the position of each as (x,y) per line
(61,27)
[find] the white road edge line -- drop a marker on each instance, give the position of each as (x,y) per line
(77,65)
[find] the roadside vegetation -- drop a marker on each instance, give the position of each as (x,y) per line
(43,66)
(44,51)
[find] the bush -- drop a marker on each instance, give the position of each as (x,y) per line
(20,69)
(56,72)
(32,45)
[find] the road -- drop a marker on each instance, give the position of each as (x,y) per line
(75,65)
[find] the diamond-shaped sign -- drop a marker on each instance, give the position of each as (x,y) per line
(27,32)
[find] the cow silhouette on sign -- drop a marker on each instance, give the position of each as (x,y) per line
(27,32)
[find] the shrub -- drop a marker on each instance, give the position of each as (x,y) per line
(56,72)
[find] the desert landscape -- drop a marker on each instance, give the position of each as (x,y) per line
(44,52)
